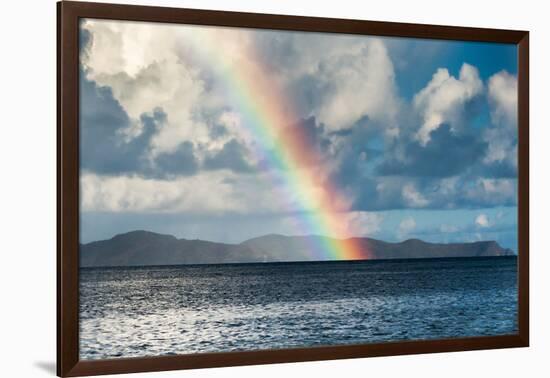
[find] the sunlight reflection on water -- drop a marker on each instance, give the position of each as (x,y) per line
(131,312)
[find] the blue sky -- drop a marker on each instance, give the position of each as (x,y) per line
(420,135)
(429,55)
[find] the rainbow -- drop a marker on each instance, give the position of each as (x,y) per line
(268,121)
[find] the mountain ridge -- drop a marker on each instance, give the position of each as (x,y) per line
(143,248)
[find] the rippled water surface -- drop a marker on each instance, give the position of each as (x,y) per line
(131,312)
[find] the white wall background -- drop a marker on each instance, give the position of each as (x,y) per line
(28,167)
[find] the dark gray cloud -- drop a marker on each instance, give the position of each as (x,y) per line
(359,148)
(313,134)
(499,169)
(180,162)
(232,156)
(85,38)
(446,154)
(370,198)
(448,173)
(105,149)
(102,146)
(462,192)
(307,92)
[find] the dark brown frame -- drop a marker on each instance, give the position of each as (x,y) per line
(68,15)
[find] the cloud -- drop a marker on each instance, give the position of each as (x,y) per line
(111,144)
(490,192)
(449,169)
(456,192)
(362,223)
(357,84)
(502,151)
(103,121)
(444,99)
(338,80)
(211,191)
(214,193)
(230,127)
(501,156)
(412,197)
(445,154)
(149,68)
(482,221)
(503,95)
(406,226)
(182,161)
(231,156)
(312,134)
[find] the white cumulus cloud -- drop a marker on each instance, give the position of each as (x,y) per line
(149,67)
(503,96)
(502,137)
(482,221)
(413,197)
(443,99)
(359,83)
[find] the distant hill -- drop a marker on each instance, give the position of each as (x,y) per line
(139,248)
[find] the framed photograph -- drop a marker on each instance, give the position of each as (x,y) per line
(239,188)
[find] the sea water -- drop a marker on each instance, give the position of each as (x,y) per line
(151,311)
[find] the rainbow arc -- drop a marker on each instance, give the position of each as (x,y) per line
(282,146)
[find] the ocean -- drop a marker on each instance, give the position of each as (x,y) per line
(152,311)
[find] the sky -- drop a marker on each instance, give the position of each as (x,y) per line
(225,134)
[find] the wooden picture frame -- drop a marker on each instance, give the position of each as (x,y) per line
(69,14)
